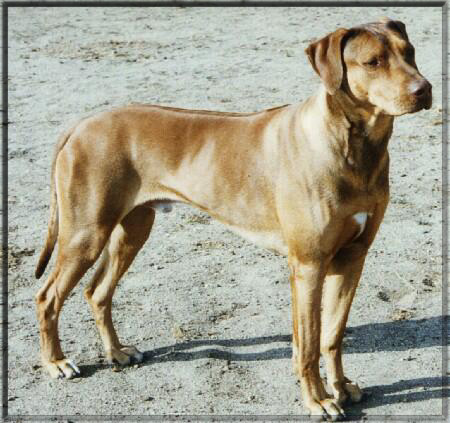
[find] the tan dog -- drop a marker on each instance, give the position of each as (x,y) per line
(309,181)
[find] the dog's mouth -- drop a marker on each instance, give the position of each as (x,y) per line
(419,104)
(406,105)
(424,104)
(421,99)
(425,101)
(428,103)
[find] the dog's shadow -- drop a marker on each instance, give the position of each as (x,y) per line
(383,337)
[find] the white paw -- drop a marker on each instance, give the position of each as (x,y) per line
(62,369)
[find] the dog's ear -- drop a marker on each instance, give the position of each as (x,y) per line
(325,56)
(396,26)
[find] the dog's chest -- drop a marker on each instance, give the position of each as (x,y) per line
(361,220)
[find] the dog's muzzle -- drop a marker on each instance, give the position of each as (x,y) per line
(421,90)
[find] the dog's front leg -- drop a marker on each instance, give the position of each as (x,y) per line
(341,281)
(306,282)
(338,292)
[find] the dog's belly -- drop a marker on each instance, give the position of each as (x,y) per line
(271,240)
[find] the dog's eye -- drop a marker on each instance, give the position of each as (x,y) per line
(373,63)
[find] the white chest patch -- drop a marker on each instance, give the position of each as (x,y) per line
(361,220)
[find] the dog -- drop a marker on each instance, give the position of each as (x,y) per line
(309,181)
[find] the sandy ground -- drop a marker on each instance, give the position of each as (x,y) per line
(211,311)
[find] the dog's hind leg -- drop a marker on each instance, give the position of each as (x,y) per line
(78,251)
(126,240)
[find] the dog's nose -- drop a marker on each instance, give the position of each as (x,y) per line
(421,88)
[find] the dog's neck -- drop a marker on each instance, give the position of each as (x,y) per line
(359,137)
(363,121)
(358,130)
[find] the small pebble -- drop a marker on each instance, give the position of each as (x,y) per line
(383,296)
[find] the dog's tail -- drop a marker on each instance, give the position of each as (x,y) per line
(52,233)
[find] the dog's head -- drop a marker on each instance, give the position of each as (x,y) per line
(373,63)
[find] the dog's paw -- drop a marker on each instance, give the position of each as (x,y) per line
(134,353)
(347,390)
(62,369)
(124,356)
(353,390)
(326,410)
